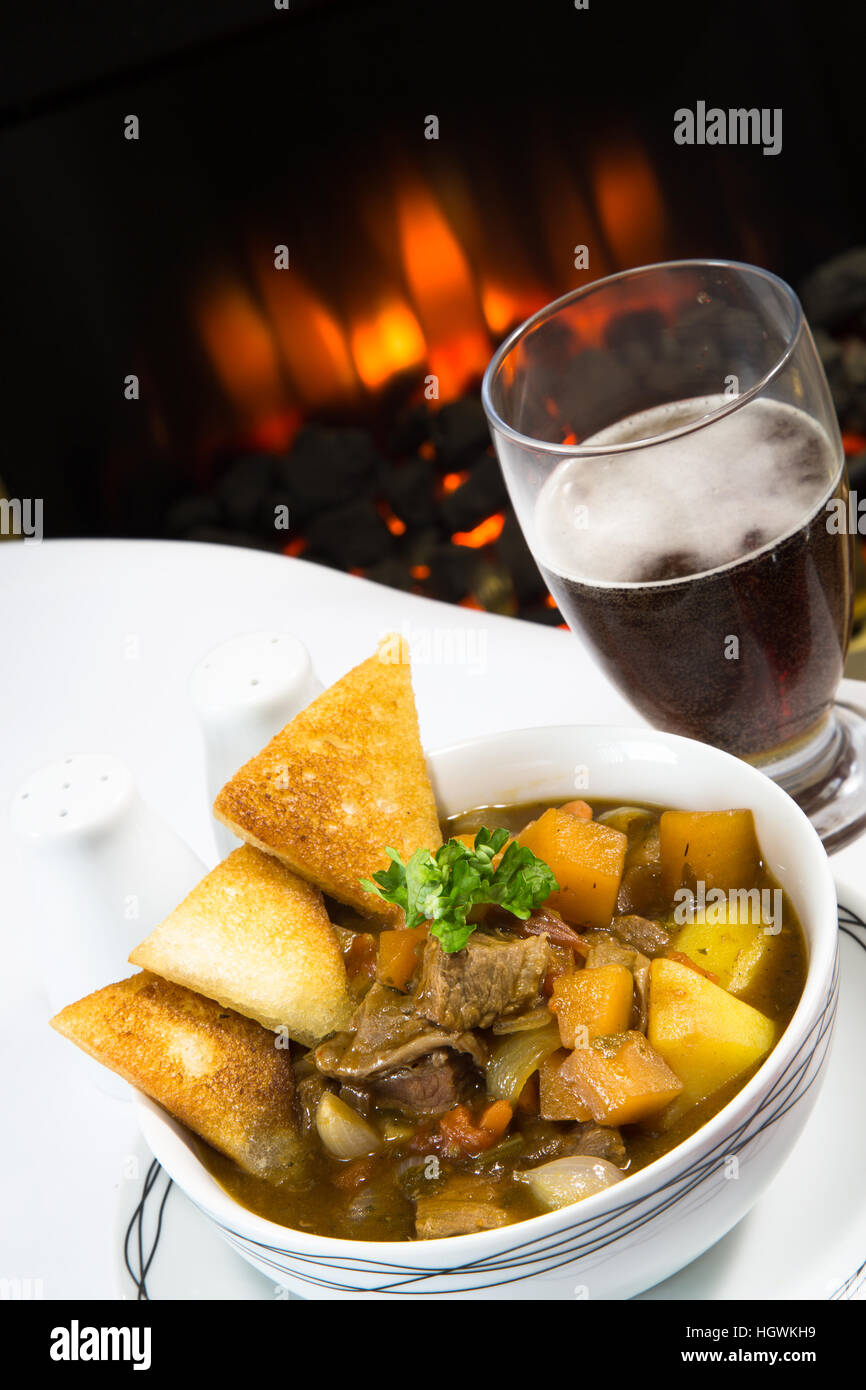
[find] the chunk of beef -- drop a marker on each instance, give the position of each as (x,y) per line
(380,1205)
(492,977)
(308,1093)
(464,1204)
(643,934)
(387,1033)
(604,949)
(642,890)
(597,1141)
(356,1094)
(640,1005)
(546,1140)
(431,1086)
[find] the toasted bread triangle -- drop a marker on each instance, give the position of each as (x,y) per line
(257,938)
(344,779)
(216,1071)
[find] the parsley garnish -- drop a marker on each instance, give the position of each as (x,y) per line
(442,888)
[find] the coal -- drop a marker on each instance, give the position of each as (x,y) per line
(844,362)
(417,547)
(190,512)
(517,559)
(453,572)
(544,616)
(835,293)
(596,382)
(409,491)
(352,536)
(395,573)
(857,473)
(636,336)
(483,493)
(493,586)
(412,428)
(240,490)
(459,432)
(335,485)
(328,464)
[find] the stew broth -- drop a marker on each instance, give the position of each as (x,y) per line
(415,1185)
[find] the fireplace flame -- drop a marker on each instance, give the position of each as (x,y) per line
(242,353)
(386,344)
(443,290)
(631,208)
(440,296)
(504,306)
(311,343)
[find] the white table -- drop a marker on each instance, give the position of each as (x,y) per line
(98,640)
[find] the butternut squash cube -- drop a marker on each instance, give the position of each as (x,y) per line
(399,955)
(587,860)
(720,847)
(557,1097)
(705,1035)
(598,1000)
(620,1079)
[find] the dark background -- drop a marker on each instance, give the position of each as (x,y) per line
(267,125)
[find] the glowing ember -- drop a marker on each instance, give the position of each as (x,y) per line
(391,520)
(485,533)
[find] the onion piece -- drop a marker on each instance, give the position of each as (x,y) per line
(524,1023)
(514,1060)
(568,1180)
(344,1132)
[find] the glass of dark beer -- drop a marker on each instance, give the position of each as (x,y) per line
(670,445)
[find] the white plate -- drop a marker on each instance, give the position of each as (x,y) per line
(806,1238)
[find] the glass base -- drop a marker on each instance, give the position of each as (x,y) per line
(828,778)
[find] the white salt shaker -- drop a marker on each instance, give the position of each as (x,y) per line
(102,869)
(243,692)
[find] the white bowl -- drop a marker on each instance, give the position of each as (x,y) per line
(623,1240)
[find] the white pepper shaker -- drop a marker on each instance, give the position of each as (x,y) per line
(244,691)
(101,869)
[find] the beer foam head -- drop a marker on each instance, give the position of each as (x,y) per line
(685,505)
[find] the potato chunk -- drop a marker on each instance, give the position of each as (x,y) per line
(720,847)
(587,859)
(730,941)
(557,1097)
(707,1036)
(620,1079)
(598,1000)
